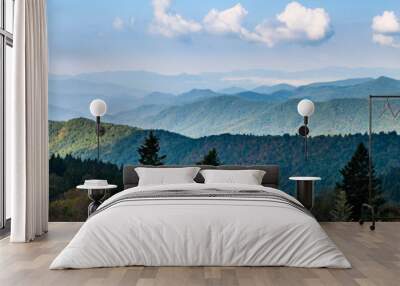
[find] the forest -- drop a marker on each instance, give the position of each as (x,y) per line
(327,154)
(341,202)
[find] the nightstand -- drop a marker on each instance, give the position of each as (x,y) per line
(305,190)
(96,194)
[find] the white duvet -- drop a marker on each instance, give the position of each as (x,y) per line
(193,231)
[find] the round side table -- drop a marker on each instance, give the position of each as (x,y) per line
(305,190)
(96,194)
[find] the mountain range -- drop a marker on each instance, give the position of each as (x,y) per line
(243,79)
(341,106)
(120,142)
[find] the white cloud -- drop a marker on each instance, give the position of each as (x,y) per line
(385,28)
(298,21)
(229,21)
(382,39)
(226,21)
(295,23)
(386,23)
(118,24)
(169,24)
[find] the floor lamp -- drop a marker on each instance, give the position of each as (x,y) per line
(305,108)
(98,108)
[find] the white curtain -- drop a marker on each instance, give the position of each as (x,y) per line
(27,123)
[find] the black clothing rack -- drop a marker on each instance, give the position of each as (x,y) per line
(368,206)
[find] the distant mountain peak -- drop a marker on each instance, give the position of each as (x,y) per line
(385,79)
(197,92)
(268,89)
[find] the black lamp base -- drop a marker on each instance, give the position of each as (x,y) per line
(304,131)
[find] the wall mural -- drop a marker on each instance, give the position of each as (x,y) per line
(220,81)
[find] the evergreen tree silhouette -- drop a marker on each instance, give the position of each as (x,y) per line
(355,182)
(342,210)
(148,151)
(210,159)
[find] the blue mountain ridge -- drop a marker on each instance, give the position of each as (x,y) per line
(341,107)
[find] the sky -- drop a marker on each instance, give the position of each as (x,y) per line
(178,36)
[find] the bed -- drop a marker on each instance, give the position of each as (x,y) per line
(198,224)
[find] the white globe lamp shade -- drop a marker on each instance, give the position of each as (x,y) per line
(98,107)
(305,107)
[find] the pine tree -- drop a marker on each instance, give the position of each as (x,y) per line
(148,151)
(342,210)
(210,159)
(355,182)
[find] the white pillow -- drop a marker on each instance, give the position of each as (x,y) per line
(248,177)
(166,176)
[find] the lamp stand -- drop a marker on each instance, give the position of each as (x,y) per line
(98,137)
(305,138)
(303,131)
(100,131)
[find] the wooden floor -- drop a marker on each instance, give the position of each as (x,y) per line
(375,257)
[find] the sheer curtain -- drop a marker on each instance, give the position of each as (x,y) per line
(27,123)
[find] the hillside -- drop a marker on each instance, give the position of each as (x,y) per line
(327,153)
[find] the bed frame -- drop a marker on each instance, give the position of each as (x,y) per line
(270,179)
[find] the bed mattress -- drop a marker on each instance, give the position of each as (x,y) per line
(201,225)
